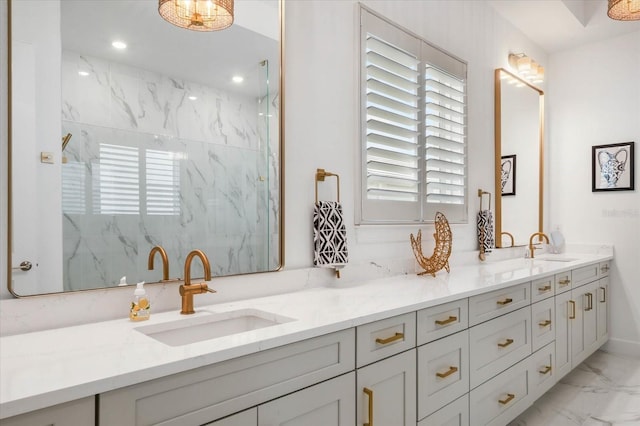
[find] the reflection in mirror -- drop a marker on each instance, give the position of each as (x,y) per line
(519,130)
(175,142)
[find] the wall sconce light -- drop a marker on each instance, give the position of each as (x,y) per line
(624,10)
(526,67)
(197,15)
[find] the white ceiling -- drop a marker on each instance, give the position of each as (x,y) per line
(557,25)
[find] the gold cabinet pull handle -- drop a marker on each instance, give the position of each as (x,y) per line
(506,343)
(572,315)
(397,336)
(544,289)
(509,397)
(505,301)
(544,323)
(589,302)
(369,393)
(564,282)
(447,373)
(604,294)
(605,268)
(447,321)
(545,370)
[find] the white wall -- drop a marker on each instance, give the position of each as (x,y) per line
(594,99)
(321,130)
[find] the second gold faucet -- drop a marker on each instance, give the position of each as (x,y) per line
(187,290)
(541,235)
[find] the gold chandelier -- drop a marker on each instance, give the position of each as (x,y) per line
(197,15)
(624,10)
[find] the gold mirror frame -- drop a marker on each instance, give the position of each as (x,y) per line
(498,152)
(281,155)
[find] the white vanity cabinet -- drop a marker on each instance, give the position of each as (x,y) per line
(208,393)
(75,413)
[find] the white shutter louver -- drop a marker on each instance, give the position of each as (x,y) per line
(392,131)
(163,183)
(73,188)
(444,137)
(116,179)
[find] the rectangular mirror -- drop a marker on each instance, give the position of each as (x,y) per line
(519,142)
(175,141)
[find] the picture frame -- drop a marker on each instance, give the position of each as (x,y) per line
(508,174)
(612,167)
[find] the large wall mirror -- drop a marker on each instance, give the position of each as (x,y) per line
(127,132)
(519,142)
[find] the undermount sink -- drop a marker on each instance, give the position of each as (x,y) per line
(556,259)
(207,326)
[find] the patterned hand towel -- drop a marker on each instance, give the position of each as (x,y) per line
(485,230)
(329,235)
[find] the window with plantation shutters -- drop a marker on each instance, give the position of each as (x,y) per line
(413,127)
(116,180)
(162,183)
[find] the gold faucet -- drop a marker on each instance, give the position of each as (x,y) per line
(187,290)
(531,247)
(165,261)
(510,235)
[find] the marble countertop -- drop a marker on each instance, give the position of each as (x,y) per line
(45,368)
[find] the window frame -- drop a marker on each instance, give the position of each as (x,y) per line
(371,211)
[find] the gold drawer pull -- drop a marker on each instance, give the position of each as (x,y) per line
(397,336)
(589,301)
(545,370)
(447,321)
(604,294)
(605,268)
(369,393)
(505,301)
(447,373)
(544,323)
(572,315)
(564,282)
(505,344)
(544,289)
(509,397)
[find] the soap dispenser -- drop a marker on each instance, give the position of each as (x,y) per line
(140,307)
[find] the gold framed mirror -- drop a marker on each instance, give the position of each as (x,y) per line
(166,149)
(519,159)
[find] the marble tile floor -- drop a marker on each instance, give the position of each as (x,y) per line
(603,390)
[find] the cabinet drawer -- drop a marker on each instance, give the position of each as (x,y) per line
(78,412)
(381,339)
(543,327)
(542,288)
(498,344)
(443,372)
(603,269)
(212,392)
(454,414)
(245,418)
(542,370)
(502,398)
(442,320)
(563,282)
(585,275)
(483,307)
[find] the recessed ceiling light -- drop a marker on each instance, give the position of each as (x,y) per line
(83,73)
(237,79)
(193,98)
(119,45)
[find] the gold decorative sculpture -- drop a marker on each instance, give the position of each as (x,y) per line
(440,257)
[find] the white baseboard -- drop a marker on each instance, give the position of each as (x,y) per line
(622,347)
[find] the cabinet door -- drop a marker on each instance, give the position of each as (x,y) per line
(602,310)
(565,307)
(329,403)
(75,413)
(583,327)
(386,392)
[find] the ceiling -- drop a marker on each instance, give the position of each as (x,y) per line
(557,25)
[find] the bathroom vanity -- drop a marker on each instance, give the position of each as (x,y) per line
(482,343)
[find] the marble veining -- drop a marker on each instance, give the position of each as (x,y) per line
(604,390)
(220,165)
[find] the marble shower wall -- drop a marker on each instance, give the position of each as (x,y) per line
(206,175)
